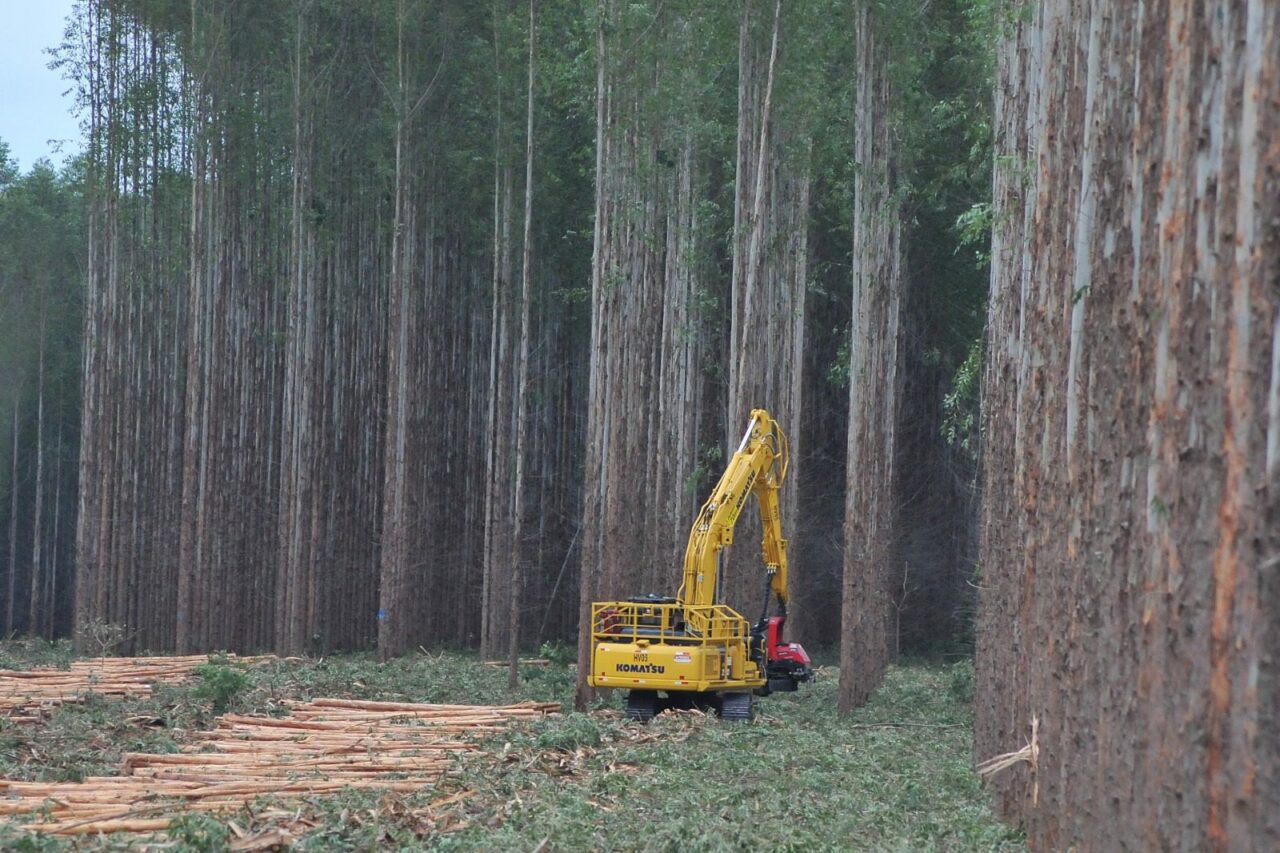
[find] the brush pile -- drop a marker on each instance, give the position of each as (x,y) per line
(27,695)
(321,747)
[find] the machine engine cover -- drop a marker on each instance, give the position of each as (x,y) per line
(668,666)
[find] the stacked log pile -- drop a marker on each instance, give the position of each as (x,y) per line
(26,695)
(321,747)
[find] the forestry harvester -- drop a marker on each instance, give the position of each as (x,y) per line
(693,648)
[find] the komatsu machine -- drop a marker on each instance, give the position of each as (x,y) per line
(694,650)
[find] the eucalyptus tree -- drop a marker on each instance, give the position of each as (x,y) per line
(1132,426)
(41,261)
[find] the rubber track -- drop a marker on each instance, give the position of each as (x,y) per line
(641,707)
(736,707)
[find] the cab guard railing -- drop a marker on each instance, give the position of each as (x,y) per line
(628,621)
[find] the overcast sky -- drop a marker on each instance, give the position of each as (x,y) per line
(33,109)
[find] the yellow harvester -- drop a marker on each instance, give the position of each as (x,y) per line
(694,648)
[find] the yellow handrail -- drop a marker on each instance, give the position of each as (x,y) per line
(704,623)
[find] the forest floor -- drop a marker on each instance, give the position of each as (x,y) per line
(895,775)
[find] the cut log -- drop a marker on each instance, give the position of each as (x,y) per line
(324,747)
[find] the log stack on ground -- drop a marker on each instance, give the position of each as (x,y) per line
(27,695)
(321,747)
(522,662)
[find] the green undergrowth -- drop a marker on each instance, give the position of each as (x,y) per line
(895,775)
(29,653)
(799,777)
(444,677)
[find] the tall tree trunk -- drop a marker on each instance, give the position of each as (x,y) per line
(293,570)
(594,485)
(1130,615)
(86,555)
(495,607)
(392,627)
(767,297)
(519,550)
(496,315)
(754,224)
(51,581)
(874,381)
(37,510)
(9,626)
(649,275)
(187,633)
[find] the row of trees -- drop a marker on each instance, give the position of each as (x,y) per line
(424,323)
(42,235)
(406,326)
(402,326)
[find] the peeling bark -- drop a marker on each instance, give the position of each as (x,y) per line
(1129,516)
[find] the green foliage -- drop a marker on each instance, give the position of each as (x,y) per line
(960,406)
(567,732)
(590,781)
(100,636)
(597,782)
(448,677)
(961,686)
(8,168)
(699,478)
(35,651)
(219,683)
(78,740)
(15,839)
(42,256)
(558,652)
(838,372)
(974,230)
(947,148)
(197,832)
